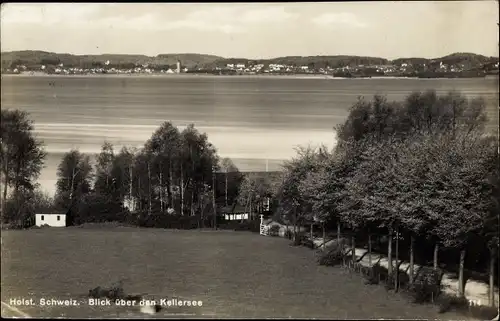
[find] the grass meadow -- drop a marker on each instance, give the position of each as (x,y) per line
(234,274)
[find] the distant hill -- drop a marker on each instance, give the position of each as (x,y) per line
(187,59)
(461,57)
(470,59)
(34,58)
(31,58)
(453,59)
(310,61)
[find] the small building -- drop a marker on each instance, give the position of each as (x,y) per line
(234,213)
(236,217)
(50,219)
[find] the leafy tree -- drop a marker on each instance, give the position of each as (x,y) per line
(467,170)
(21,154)
(21,210)
(164,146)
(178,164)
(104,180)
(122,173)
(294,206)
(314,190)
(253,190)
(74,180)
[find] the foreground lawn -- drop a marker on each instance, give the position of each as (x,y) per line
(235,274)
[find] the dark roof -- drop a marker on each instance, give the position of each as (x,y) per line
(232,209)
(52,213)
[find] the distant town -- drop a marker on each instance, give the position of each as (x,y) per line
(451,66)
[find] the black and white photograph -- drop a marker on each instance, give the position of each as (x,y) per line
(212,160)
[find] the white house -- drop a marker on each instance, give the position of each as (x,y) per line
(56,220)
(234,217)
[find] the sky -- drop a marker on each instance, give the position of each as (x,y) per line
(255,30)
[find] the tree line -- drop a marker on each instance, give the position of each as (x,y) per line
(175,174)
(423,170)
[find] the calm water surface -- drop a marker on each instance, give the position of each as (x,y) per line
(248,119)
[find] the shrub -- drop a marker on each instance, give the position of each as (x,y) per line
(308,243)
(251,226)
(427,285)
(113,292)
(274,230)
(449,302)
(334,255)
(483,312)
(403,281)
(377,273)
(116,291)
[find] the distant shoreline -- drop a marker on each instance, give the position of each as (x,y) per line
(191,75)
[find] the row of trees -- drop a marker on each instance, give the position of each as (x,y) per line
(423,169)
(174,173)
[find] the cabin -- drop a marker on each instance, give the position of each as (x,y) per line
(234,213)
(50,219)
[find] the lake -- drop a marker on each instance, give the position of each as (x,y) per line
(253,120)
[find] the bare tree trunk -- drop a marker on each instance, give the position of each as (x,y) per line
(202,209)
(226,187)
(396,276)
(294,223)
(324,235)
(149,189)
(493,255)
(161,191)
(72,185)
(139,196)
(412,241)
(4,198)
(182,190)
(353,249)
(171,184)
(247,210)
(192,201)
(132,203)
(389,252)
(436,251)
(461,283)
(250,215)
(311,232)
(369,249)
(213,200)
(338,233)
